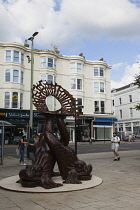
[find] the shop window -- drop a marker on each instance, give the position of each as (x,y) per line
(7,75)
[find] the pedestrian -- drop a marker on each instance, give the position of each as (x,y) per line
(22,145)
(129,138)
(133,137)
(34,145)
(115,143)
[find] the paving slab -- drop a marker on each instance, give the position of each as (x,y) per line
(120,188)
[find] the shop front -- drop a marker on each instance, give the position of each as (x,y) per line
(103,128)
(20,120)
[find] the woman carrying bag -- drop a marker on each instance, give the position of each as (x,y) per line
(22,145)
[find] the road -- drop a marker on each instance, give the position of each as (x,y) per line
(82,148)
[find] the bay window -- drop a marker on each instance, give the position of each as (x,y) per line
(48,62)
(21,100)
(76,84)
(7,100)
(16,56)
(7,75)
(76,67)
(99,87)
(98,72)
(21,77)
(49,78)
(8,55)
(22,58)
(15,75)
(13,100)
(43,62)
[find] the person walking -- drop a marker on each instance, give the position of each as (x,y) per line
(115,143)
(22,145)
(133,137)
(34,145)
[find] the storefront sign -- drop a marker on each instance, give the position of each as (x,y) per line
(2,114)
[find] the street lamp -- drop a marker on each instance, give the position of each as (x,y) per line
(32,68)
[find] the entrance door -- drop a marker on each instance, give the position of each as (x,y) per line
(71,133)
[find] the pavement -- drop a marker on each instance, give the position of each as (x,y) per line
(120,188)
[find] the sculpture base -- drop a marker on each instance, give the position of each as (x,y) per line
(10,184)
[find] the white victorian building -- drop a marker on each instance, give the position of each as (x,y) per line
(124,100)
(88,81)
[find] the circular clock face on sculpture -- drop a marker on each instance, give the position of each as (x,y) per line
(67,103)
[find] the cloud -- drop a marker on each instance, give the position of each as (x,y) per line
(68,23)
(130,71)
(117,66)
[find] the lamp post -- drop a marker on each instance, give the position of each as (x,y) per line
(31,86)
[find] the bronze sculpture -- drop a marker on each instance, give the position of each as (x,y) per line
(72,170)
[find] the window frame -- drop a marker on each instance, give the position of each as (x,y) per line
(7,76)
(121,113)
(98,88)
(98,106)
(131,112)
(7,56)
(130,98)
(98,72)
(16,57)
(74,67)
(75,83)
(8,102)
(16,76)
(5,100)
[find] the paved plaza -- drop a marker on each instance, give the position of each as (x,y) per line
(120,188)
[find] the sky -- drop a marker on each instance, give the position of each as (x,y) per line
(108,29)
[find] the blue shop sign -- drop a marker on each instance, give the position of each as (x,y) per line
(102,123)
(106,119)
